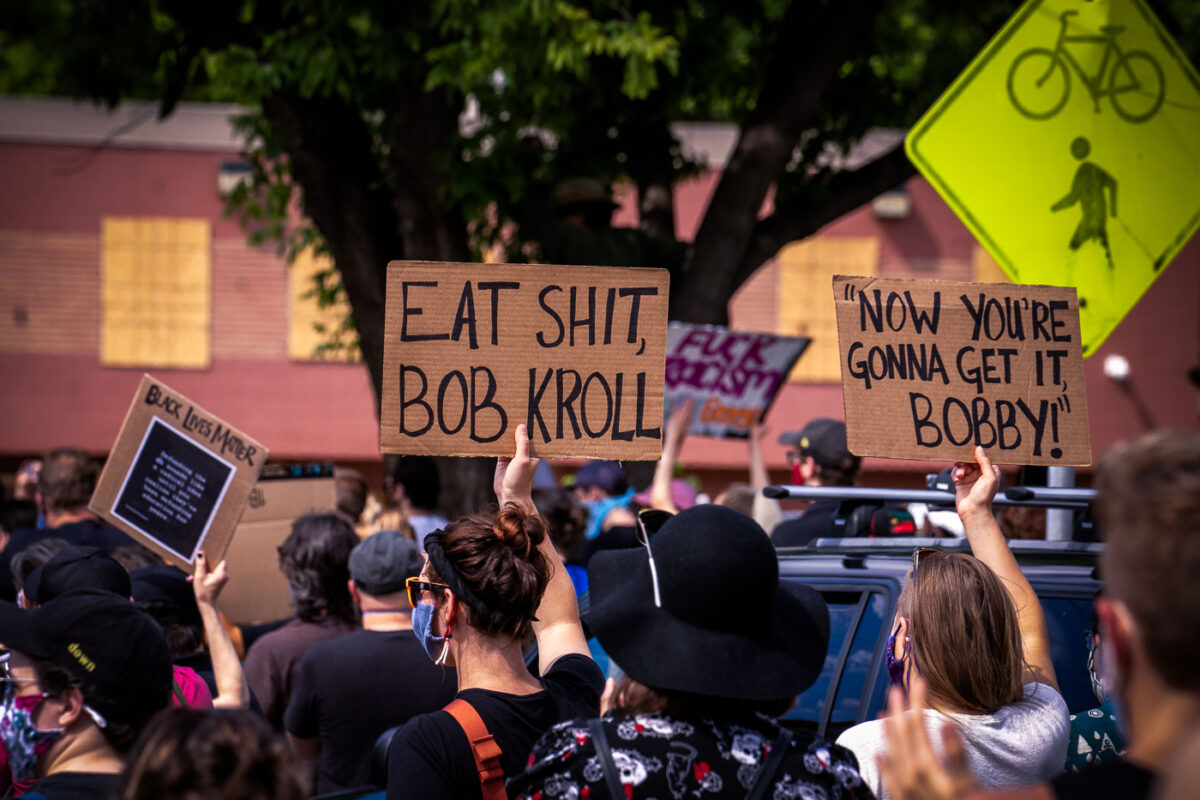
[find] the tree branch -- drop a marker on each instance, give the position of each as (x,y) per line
(806,57)
(824,202)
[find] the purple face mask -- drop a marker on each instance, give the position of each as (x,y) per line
(895,666)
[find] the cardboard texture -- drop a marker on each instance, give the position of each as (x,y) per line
(733,376)
(473,350)
(932,368)
(177,477)
(257,591)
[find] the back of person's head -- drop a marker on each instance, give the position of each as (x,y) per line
(1149,507)
(607,476)
(738,496)
(187,754)
(164,592)
(691,651)
(135,556)
(963,633)
(566,520)
(418,476)
(103,646)
(76,567)
(25,562)
(381,564)
(67,480)
(351,492)
(494,567)
(16,514)
(314,558)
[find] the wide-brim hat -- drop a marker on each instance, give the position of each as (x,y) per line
(727,626)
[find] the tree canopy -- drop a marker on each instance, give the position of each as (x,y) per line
(438,130)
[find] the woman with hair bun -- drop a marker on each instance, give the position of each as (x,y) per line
(489,581)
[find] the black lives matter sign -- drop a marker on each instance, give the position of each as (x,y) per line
(575,353)
(173,490)
(178,476)
(932,369)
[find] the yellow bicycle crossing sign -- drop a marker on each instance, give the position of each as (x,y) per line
(1070,147)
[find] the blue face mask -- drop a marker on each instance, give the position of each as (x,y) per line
(422,622)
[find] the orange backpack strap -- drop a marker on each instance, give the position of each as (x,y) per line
(483,748)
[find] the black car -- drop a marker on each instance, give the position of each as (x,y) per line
(861,581)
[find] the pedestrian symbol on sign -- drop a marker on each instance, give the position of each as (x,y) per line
(1089,190)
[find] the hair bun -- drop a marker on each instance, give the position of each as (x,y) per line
(520,530)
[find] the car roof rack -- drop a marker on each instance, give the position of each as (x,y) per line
(1028,496)
(906,544)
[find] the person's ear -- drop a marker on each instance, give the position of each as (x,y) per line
(1118,630)
(70,707)
(353,592)
(448,611)
(808,468)
(902,643)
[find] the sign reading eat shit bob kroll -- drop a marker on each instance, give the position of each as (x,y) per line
(473,350)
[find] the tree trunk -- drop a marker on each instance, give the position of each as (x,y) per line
(810,49)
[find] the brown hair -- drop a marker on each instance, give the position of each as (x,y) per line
(67,480)
(633,698)
(1149,511)
(497,558)
(221,754)
(963,634)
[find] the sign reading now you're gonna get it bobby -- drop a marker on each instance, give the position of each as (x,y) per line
(178,477)
(930,369)
(473,350)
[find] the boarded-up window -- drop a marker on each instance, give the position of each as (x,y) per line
(155,292)
(986,268)
(319,326)
(805,306)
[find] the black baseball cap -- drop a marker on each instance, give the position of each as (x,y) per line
(825,440)
(77,567)
(116,651)
(381,563)
(168,585)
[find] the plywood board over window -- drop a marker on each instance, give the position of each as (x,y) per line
(986,268)
(316,332)
(805,306)
(155,292)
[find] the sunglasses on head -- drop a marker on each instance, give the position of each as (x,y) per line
(919,554)
(649,521)
(417,586)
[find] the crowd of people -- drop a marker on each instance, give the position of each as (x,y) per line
(449,658)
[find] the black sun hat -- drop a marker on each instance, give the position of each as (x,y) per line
(727,627)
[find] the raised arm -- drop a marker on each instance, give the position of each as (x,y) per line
(557,628)
(674,435)
(974,488)
(766,511)
(227,668)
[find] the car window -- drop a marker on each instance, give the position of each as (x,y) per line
(1067,619)
(864,671)
(860,615)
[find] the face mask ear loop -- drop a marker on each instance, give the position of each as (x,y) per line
(441,659)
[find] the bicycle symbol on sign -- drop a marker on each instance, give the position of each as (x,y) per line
(1039,81)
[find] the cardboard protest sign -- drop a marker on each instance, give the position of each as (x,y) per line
(473,350)
(260,591)
(177,477)
(733,376)
(932,368)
